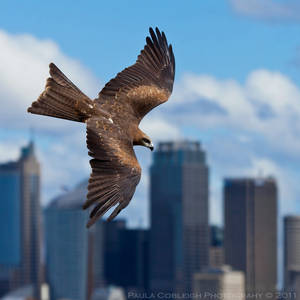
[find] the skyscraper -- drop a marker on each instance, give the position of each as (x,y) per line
(134,264)
(112,252)
(251,231)
(292,255)
(179,235)
(96,261)
(120,256)
(20,230)
(67,245)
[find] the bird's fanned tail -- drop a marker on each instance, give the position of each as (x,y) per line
(62,99)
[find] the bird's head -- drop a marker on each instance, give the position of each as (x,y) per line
(146,142)
(142,139)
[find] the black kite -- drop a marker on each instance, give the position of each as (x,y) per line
(113,121)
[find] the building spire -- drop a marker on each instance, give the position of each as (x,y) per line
(31,135)
(28,150)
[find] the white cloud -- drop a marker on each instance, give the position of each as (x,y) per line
(227,94)
(270,10)
(64,163)
(24,64)
(268,104)
(287,184)
(274,89)
(10,150)
(159,129)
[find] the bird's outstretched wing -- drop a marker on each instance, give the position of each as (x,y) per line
(147,83)
(115,169)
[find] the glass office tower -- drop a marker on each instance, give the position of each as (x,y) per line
(80,261)
(179,235)
(119,256)
(20,230)
(67,245)
(250,206)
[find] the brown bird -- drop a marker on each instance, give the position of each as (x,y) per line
(113,121)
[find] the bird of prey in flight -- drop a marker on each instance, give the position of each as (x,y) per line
(112,121)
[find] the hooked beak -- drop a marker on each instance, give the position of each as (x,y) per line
(151,147)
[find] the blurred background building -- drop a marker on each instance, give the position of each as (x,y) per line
(20,224)
(119,256)
(179,253)
(109,293)
(82,264)
(216,249)
(250,207)
(219,283)
(27,293)
(292,255)
(179,234)
(67,245)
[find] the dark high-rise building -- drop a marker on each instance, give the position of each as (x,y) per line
(20,229)
(135,258)
(179,235)
(292,255)
(120,256)
(251,231)
(67,245)
(112,252)
(216,249)
(96,261)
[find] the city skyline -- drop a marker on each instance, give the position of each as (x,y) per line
(182,166)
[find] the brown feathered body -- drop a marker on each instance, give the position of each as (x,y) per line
(113,120)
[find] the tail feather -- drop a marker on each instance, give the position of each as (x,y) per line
(62,99)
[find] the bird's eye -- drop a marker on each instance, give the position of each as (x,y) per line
(146,141)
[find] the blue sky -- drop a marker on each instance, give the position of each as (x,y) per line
(208,36)
(237,84)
